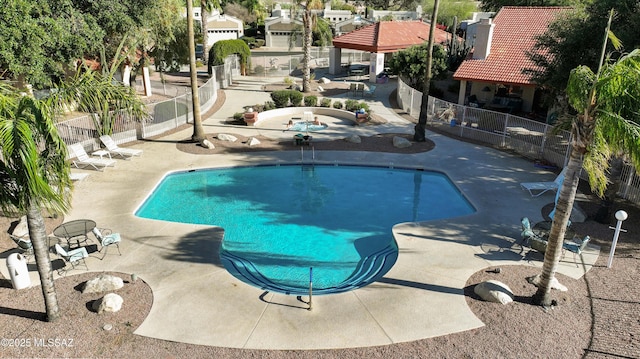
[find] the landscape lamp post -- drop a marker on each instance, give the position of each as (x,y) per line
(620,216)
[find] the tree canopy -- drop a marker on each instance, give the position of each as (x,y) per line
(564,45)
(409,64)
(40,40)
(43,41)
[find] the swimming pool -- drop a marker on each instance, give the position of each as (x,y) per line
(281,221)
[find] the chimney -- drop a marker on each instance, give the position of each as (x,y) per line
(484,34)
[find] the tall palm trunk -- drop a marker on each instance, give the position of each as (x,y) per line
(558,228)
(419,134)
(307,19)
(38,235)
(198,131)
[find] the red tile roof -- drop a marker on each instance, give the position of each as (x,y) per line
(389,36)
(514,33)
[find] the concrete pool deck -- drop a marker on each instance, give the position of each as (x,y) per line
(197,301)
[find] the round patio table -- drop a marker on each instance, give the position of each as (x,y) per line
(544,228)
(75,231)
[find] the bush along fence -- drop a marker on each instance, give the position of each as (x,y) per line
(532,139)
(163,116)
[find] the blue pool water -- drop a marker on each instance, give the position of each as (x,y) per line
(280,221)
(302,126)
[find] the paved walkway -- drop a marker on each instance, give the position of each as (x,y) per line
(197,301)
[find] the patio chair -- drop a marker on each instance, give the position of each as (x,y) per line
(82,159)
(73,257)
(370,91)
(530,238)
(575,247)
(544,186)
(352,88)
(113,148)
(107,239)
(24,244)
(360,89)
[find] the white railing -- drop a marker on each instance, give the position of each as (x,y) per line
(164,116)
(529,138)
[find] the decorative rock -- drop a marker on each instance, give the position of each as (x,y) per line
(494,291)
(253,142)
(353,139)
(225,137)
(535,280)
(401,142)
(22,229)
(324,80)
(320,89)
(107,327)
(109,303)
(207,144)
(103,283)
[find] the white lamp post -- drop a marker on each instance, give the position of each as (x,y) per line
(620,216)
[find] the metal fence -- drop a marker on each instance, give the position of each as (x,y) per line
(284,64)
(529,138)
(164,116)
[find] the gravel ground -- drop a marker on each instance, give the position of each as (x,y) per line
(599,317)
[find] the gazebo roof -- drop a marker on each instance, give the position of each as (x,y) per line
(389,36)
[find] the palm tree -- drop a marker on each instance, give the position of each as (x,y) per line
(198,131)
(33,165)
(419,134)
(607,103)
(309,21)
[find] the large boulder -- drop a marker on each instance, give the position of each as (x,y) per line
(324,80)
(227,137)
(22,229)
(103,283)
(494,291)
(253,142)
(207,144)
(535,280)
(109,303)
(353,139)
(401,142)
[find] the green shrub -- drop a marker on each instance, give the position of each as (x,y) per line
(295,97)
(338,105)
(325,102)
(351,105)
(311,101)
(269,105)
(364,106)
(289,81)
(280,98)
(259,69)
(238,116)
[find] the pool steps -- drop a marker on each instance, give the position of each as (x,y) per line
(369,269)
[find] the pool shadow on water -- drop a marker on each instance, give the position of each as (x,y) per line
(202,246)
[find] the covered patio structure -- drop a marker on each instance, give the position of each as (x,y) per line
(381,38)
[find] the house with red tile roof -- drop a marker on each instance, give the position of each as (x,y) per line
(493,75)
(382,38)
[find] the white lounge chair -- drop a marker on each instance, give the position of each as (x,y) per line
(542,187)
(82,159)
(113,148)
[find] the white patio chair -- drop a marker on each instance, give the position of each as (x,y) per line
(113,148)
(82,159)
(543,187)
